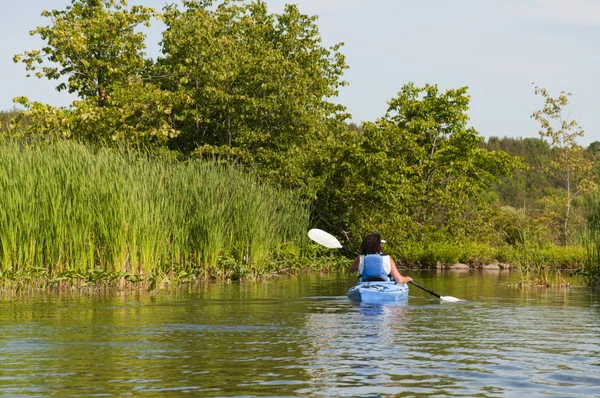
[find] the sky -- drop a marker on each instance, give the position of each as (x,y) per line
(500,49)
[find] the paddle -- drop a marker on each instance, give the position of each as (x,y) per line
(325,239)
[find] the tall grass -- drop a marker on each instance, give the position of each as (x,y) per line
(590,272)
(68,211)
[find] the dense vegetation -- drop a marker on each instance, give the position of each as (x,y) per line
(239,85)
(69,211)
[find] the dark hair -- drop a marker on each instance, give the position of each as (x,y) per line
(371,244)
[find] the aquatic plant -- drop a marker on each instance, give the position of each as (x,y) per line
(590,270)
(72,212)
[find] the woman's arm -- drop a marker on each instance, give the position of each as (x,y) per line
(396,274)
(354,266)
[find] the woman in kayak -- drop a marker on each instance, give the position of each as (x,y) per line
(372,265)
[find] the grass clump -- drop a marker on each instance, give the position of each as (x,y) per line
(70,212)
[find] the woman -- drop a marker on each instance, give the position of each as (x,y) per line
(374,266)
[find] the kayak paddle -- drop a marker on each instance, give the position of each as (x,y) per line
(325,239)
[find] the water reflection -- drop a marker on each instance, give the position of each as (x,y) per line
(302,336)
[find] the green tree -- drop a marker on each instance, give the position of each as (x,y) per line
(571,167)
(365,181)
(93,43)
(253,85)
(96,46)
(594,151)
(419,168)
(448,170)
(137,115)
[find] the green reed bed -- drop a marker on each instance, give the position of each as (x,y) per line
(590,272)
(69,212)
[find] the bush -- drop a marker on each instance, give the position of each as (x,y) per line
(445,253)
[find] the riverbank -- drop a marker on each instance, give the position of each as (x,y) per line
(481,255)
(75,216)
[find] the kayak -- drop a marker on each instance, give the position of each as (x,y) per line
(378,292)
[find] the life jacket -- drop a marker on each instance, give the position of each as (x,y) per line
(374,267)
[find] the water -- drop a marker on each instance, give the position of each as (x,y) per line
(301,337)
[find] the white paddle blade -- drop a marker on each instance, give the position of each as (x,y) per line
(325,239)
(450,299)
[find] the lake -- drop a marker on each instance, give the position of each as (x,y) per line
(301,336)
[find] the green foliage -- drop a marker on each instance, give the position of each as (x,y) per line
(68,211)
(571,167)
(137,115)
(561,257)
(593,151)
(528,185)
(253,85)
(516,227)
(94,43)
(419,167)
(434,253)
(7,119)
(241,85)
(234,81)
(97,46)
(447,169)
(590,270)
(536,191)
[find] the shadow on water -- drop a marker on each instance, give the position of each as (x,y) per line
(301,336)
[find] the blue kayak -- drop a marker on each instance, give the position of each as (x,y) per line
(378,292)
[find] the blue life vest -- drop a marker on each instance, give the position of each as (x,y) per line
(373,269)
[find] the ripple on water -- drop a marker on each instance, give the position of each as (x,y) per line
(314,343)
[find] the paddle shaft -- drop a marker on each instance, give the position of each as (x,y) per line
(350,252)
(425,289)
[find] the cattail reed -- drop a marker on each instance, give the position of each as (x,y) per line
(68,210)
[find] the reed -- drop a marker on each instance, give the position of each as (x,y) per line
(69,211)
(590,271)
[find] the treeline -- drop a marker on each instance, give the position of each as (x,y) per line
(237,82)
(241,85)
(7,117)
(533,199)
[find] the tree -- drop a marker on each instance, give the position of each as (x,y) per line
(448,170)
(419,168)
(254,86)
(138,115)
(571,167)
(94,44)
(365,182)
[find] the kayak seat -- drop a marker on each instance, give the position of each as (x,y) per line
(375,278)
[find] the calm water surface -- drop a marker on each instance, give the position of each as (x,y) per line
(300,336)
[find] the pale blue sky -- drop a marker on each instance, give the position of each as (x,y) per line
(496,47)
